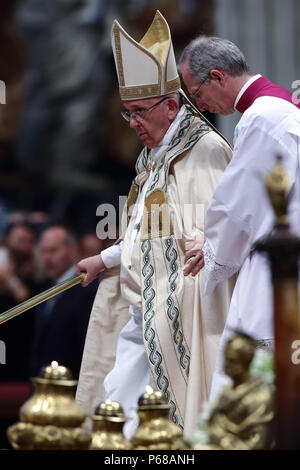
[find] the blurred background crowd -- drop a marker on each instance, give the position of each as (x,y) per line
(64,149)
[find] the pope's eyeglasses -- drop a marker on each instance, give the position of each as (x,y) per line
(140,113)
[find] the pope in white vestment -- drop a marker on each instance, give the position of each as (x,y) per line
(169,331)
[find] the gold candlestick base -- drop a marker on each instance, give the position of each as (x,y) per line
(51,419)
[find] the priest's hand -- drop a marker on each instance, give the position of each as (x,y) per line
(194,259)
(92,267)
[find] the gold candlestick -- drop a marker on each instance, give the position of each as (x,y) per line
(51,419)
(42,297)
(108,422)
(156,430)
(283,249)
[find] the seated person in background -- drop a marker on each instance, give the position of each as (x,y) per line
(61,322)
(15,333)
(10,285)
(20,237)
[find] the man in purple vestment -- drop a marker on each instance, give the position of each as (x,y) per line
(216,74)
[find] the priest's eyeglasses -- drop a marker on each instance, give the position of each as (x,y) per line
(140,113)
(195,95)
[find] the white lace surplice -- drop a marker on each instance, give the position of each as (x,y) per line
(240,214)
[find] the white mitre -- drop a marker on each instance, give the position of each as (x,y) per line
(146,68)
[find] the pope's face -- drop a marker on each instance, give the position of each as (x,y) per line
(154,123)
(214,96)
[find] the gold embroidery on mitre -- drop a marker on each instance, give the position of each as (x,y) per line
(172,85)
(134,91)
(156,44)
(116,33)
(156,220)
(139,92)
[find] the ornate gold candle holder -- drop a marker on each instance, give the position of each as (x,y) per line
(156,431)
(51,419)
(283,250)
(108,422)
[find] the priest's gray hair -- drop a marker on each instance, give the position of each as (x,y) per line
(206,53)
